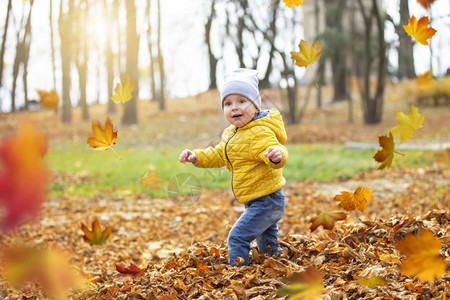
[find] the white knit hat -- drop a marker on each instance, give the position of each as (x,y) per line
(243,82)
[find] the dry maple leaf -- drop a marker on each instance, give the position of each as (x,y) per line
(290,3)
(49,99)
(425,3)
(386,154)
(408,124)
(424,81)
(372,282)
(303,285)
(419,29)
(327,219)
(307,55)
(49,269)
(96,236)
(23,174)
(103,138)
(357,200)
(123,92)
(132,269)
(151,180)
(422,256)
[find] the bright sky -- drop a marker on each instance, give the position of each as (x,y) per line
(185,55)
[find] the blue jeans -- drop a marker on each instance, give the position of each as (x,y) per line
(259,221)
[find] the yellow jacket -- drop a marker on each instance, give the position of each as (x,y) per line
(242,151)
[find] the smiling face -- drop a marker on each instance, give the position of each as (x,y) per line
(238,110)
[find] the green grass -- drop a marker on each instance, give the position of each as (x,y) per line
(109,175)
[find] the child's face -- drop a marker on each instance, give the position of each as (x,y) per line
(238,110)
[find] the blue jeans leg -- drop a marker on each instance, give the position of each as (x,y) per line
(259,221)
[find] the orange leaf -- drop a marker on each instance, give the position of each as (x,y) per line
(425,3)
(356,200)
(151,180)
(96,236)
(419,29)
(422,256)
(103,138)
(425,80)
(290,3)
(307,55)
(386,154)
(303,285)
(130,270)
(327,219)
(23,175)
(49,99)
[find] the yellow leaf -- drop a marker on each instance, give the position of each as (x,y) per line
(419,29)
(151,180)
(356,200)
(389,258)
(290,3)
(307,55)
(372,282)
(103,138)
(425,80)
(386,154)
(96,236)
(49,99)
(123,91)
(407,124)
(422,256)
(327,219)
(303,285)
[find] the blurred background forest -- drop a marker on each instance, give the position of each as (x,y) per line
(82,48)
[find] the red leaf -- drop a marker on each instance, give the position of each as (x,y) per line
(131,270)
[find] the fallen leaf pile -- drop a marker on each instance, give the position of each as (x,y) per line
(182,252)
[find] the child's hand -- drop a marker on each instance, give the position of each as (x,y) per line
(274,154)
(187,156)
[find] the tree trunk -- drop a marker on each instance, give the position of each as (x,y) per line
(26,54)
(81,55)
(212,59)
(109,60)
(3,47)
(321,66)
(405,52)
(65,32)
(273,30)
(162,100)
(130,112)
(52,44)
(150,50)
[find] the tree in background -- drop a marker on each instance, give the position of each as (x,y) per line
(3,46)
(162,81)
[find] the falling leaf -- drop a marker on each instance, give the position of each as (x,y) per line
(386,154)
(407,124)
(103,138)
(303,285)
(419,29)
(48,268)
(357,200)
(424,81)
(123,91)
(23,174)
(307,55)
(151,180)
(290,3)
(49,99)
(132,269)
(96,236)
(327,219)
(425,3)
(372,282)
(422,256)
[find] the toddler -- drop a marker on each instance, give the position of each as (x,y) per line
(252,148)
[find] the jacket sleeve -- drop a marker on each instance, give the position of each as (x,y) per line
(211,157)
(266,138)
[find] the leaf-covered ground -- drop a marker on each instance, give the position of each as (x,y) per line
(180,243)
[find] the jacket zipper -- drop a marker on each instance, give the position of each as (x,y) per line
(226,155)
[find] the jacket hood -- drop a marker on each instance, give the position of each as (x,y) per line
(271,119)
